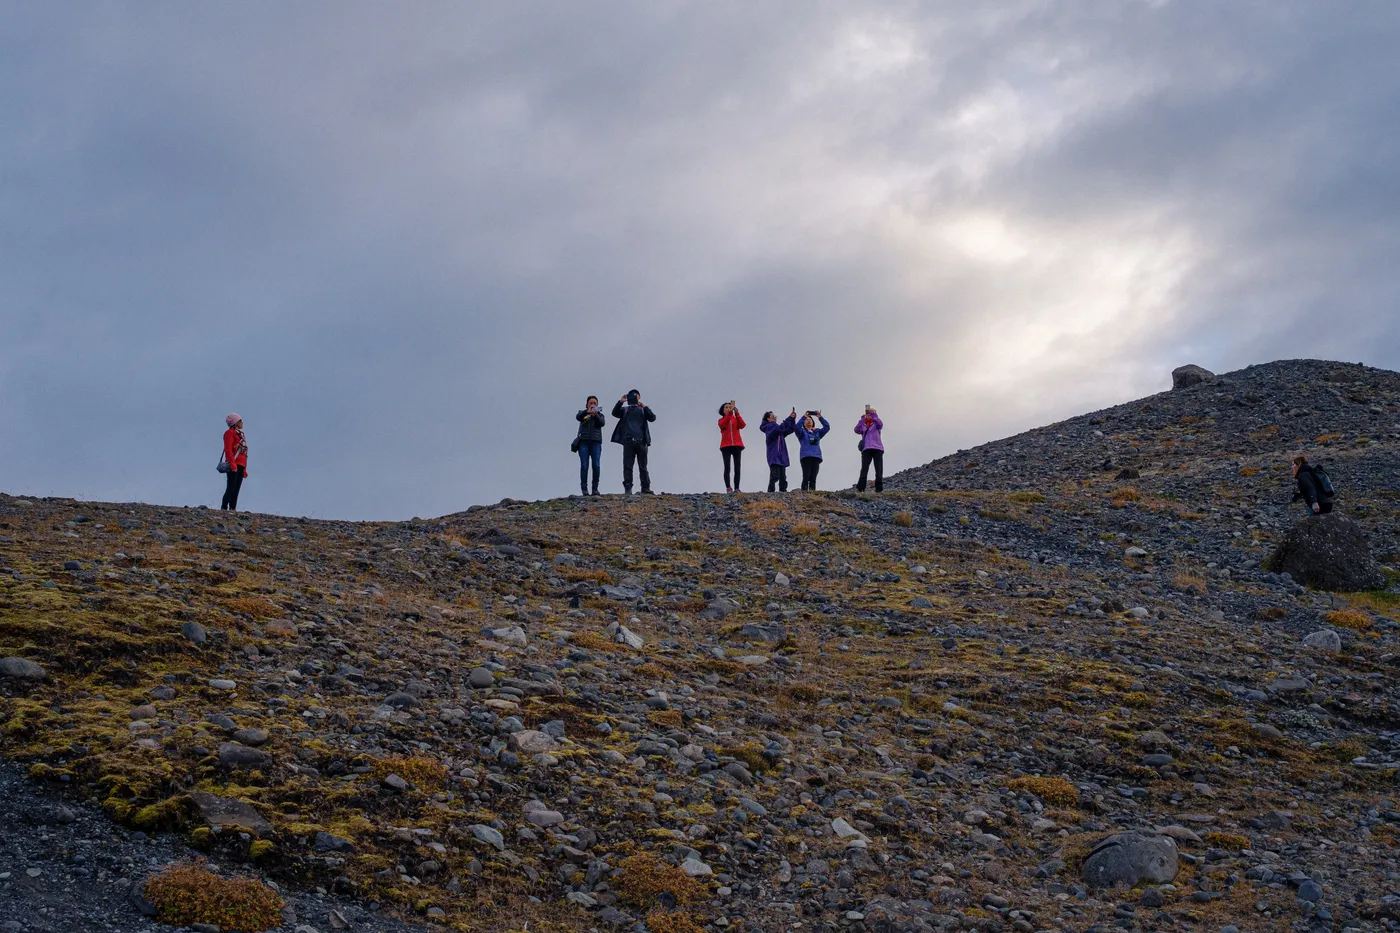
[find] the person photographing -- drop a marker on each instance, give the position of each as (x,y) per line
(872,449)
(589,443)
(633,432)
(731,445)
(809,439)
(775,433)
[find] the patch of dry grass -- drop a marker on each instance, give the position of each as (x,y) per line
(186,894)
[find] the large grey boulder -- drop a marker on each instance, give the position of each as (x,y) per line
(20,669)
(1327,552)
(1190,375)
(1130,859)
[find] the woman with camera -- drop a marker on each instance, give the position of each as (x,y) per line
(589,443)
(776,432)
(872,449)
(731,445)
(809,438)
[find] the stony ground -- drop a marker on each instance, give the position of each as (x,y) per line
(803,712)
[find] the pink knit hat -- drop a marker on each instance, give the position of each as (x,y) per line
(233,418)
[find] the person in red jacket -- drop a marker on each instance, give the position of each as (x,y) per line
(731,445)
(236,456)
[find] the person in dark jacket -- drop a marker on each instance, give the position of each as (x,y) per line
(731,444)
(236,456)
(590,443)
(775,433)
(1311,488)
(633,432)
(809,440)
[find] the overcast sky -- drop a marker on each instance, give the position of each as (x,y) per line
(404,240)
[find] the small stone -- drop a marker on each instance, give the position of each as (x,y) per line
(194,632)
(532,742)
(396,783)
(241,756)
(544,818)
(222,684)
(695,868)
(252,737)
(325,842)
(1310,891)
(514,635)
(1151,897)
(781,579)
(481,678)
(489,836)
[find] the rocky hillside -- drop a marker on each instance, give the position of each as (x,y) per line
(1039,685)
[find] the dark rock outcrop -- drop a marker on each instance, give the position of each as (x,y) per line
(1190,375)
(1327,552)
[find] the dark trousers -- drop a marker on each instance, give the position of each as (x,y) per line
(589,451)
(810,466)
(868,457)
(735,454)
(635,452)
(777,478)
(235,482)
(1324,506)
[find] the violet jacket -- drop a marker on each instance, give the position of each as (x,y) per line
(809,442)
(775,433)
(871,432)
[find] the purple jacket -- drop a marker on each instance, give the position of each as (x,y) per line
(776,432)
(871,432)
(809,442)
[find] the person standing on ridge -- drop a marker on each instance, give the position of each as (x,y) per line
(589,443)
(809,438)
(1314,486)
(234,464)
(731,445)
(776,433)
(633,432)
(872,449)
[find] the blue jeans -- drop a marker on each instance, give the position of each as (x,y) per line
(589,450)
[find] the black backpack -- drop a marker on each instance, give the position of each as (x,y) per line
(1324,482)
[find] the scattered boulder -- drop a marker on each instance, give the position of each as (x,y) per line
(1324,640)
(232,755)
(531,742)
(1190,375)
(20,669)
(195,632)
(1327,552)
(1131,859)
(221,812)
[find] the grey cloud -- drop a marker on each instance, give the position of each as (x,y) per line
(406,242)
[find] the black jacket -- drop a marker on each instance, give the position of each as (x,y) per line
(633,424)
(590,427)
(1309,489)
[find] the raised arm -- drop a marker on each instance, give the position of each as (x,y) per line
(826,426)
(617,409)
(740,419)
(651,415)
